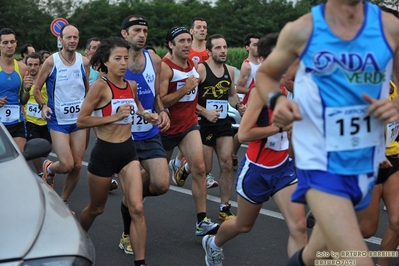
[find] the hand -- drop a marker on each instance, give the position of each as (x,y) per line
(285,112)
(164,121)
(124,111)
(28,81)
(241,109)
(191,83)
(382,109)
(212,115)
(385,164)
(46,112)
(3,101)
(153,118)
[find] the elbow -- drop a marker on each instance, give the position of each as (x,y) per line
(241,137)
(80,124)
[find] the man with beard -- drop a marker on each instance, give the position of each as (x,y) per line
(66,74)
(14,91)
(178,90)
(144,68)
(35,124)
(215,91)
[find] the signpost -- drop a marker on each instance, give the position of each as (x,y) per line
(55,28)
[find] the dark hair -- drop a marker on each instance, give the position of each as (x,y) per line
(389,10)
(194,20)
(247,39)
(34,56)
(209,44)
(101,56)
(88,42)
(63,27)
(172,34)
(7,31)
(24,49)
(150,47)
(267,43)
(127,19)
(43,52)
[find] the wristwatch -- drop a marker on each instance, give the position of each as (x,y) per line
(41,105)
(166,110)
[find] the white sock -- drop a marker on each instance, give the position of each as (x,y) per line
(177,162)
(213,244)
(49,170)
(186,167)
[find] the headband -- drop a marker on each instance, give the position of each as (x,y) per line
(174,32)
(128,24)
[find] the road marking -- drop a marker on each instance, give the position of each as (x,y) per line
(372,240)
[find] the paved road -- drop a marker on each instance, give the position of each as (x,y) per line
(171,236)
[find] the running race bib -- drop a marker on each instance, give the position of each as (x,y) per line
(218,104)
(68,112)
(392,130)
(140,124)
(9,113)
(190,96)
(32,109)
(116,103)
(350,128)
(277,142)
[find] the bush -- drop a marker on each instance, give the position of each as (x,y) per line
(235,56)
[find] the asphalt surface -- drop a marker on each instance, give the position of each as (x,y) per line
(171,218)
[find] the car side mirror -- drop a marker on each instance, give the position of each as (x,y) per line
(36,148)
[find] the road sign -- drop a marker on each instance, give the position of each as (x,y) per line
(56,26)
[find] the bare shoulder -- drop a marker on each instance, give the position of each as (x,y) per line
(86,61)
(295,34)
(230,69)
(156,59)
(245,67)
(391,27)
(22,67)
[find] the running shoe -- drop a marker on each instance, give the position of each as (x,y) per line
(47,177)
(125,245)
(210,181)
(113,185)
(173,169)
(235,163)
(225,213)
(310,220)
(206,227)
(213,256)
(181,174)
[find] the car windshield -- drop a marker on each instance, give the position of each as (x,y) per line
(7,150)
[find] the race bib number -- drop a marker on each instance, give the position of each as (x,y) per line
(9,113)
(277,142)
(116,103)
(69,112)
(190,96)
(218,104)
(32,109)
(140,124)
(350,128)
(392,132)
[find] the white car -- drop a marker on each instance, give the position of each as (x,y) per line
(36,227)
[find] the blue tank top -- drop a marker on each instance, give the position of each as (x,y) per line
(336,134)
(10,87)
(145,80)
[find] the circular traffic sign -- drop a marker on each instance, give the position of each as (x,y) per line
(56,26)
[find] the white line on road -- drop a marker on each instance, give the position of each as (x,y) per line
(373,240)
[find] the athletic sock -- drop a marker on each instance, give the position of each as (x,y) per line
(177,162)
(187,168)
(213,244)
(146,189)
(296,259)
(201,216)
(126,219)
(139,262)
(49,170)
